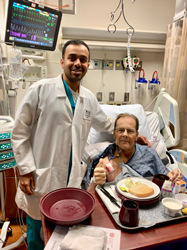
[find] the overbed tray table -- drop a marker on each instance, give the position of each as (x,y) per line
(145,238)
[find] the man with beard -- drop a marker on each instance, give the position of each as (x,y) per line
(50,132)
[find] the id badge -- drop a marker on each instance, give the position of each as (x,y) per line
(87,115)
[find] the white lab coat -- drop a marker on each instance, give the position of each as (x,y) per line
(42,135)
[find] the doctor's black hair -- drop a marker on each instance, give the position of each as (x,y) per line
(74,42)
(127,115)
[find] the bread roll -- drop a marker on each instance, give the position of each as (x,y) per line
(141,190)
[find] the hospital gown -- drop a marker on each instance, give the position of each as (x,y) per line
(144,162)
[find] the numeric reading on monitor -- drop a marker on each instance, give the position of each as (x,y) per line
(38,29)
(31,26)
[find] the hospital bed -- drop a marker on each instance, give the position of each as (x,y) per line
(161,127)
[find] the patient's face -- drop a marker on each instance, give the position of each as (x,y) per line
(125,133)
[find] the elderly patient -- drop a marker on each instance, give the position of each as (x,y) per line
(126,157)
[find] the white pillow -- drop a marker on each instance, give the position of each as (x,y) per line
(113,111)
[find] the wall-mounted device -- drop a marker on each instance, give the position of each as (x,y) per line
(95,64)
(108,64)
(31,26)
(111,96)
(135,62)
(152,85)
(119,65)
(99,96)
(139,83)
(126,62)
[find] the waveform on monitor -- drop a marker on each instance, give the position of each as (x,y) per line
(28,24)
(22,29)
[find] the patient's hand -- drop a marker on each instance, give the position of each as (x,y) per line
(175,175)
(100,173)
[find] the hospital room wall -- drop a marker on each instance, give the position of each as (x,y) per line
(144,15)
(118,81)
(147,15)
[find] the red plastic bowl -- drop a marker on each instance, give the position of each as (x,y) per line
(67,206)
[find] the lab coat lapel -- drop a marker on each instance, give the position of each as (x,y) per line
(61,93)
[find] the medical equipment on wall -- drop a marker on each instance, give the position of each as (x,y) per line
(126,63)
(152,85)
(135,62)
(129,31)
(7,161)
(139,84)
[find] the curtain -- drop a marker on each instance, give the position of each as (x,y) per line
(175,72)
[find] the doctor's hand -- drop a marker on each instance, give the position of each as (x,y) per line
(142,140)
(175,175)
(27,183)
(100,173)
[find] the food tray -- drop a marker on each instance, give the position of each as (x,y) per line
(149,215)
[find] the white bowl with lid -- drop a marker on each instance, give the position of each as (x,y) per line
(171,206)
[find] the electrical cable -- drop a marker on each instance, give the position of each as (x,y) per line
(152,101)
(19,218)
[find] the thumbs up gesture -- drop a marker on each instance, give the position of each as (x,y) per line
(100,173)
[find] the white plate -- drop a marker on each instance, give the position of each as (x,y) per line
(121,183)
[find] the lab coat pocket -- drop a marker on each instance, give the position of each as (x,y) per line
(42,179)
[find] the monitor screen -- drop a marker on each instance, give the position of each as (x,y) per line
(29,25)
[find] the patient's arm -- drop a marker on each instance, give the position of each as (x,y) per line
(175,175)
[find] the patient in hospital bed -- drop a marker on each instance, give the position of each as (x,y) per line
(125,157)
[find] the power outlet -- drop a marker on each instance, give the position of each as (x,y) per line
(99,96)
(111,96)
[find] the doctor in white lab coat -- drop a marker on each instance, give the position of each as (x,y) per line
(51,129)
